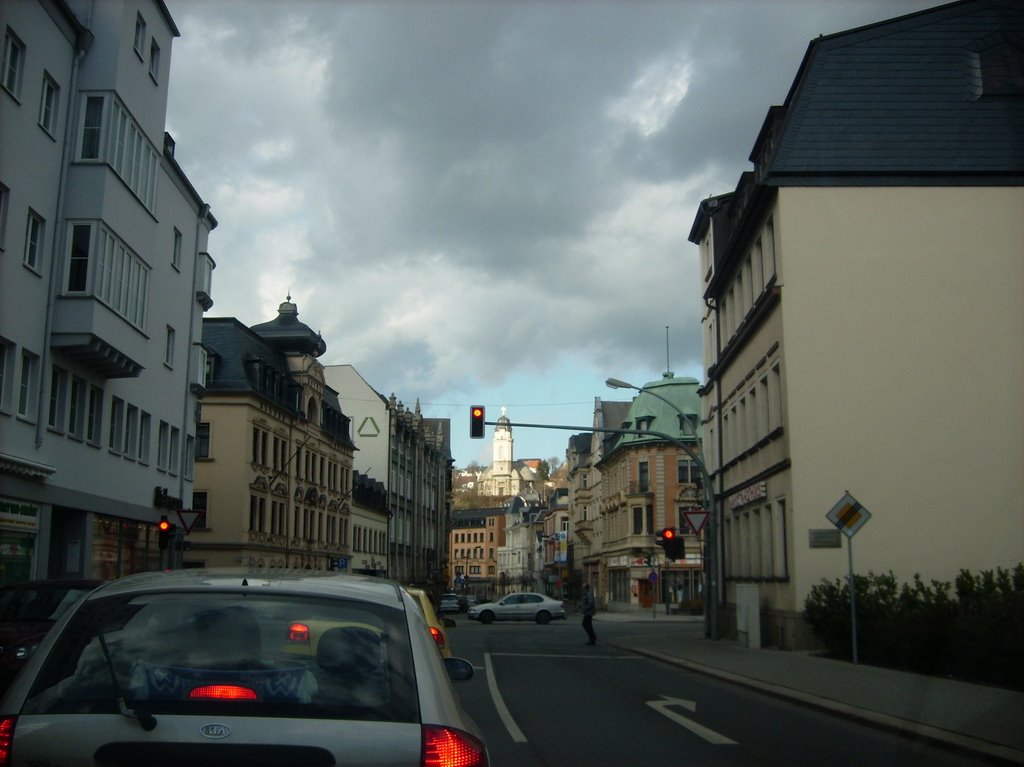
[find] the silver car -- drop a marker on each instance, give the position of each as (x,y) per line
(240,668)
(526,606)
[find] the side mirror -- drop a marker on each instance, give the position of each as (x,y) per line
(449,623)
(459,670)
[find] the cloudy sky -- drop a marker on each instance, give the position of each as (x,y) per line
(481,202)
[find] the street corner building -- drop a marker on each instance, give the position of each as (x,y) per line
(864,326)
(104,280)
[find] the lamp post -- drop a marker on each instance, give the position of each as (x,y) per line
(709,506)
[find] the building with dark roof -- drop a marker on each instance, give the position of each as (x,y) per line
(274,475)
(873,257)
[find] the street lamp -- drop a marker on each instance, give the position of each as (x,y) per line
(712,591)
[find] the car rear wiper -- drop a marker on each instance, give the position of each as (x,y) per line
(147,720)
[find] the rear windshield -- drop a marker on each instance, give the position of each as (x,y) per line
(231,654)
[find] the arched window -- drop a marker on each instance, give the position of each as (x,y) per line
(311,410)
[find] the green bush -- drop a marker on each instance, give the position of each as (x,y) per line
(972,629)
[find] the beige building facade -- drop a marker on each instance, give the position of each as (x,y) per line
(864,332)
(274,472)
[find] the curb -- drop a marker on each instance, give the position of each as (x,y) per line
(904,727)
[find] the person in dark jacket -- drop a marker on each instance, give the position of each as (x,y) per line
(589,607)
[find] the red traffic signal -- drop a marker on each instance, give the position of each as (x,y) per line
(165,531)
(476,421)
(672,543)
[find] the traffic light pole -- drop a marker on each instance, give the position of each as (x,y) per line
(712,563)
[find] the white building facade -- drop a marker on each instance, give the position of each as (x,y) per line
(104,278)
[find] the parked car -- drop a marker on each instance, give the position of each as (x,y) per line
(438,626)
(526,606)
(449,603)
(28,611)
(199,658)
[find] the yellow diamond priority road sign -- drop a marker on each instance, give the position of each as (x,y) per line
(848,515)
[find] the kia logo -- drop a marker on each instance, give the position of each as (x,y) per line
(215,730)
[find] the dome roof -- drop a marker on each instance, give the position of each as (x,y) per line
(286,334)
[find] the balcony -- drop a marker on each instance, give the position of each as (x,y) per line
(87,330)
(639,488)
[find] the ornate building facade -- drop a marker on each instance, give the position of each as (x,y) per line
(274,473)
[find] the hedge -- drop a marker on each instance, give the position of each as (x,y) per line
(971,629)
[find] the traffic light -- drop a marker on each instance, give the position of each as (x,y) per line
(166,532)
(672,542)
(476,421)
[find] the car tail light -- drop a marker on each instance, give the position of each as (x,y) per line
(438,636)
(222,692)
(298,632)
(6,737)
(448,747)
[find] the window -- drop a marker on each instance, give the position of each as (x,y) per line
(140,34)
(78,263)
(203,441)
(200,502)
(14,60)
(145,427)
(131,433)
(76,408)
(163,441)
(169,348)
(128,151)
(58,398)
(29,389)
(176,250)
(6,367)
(4,196)
(34,241)
(638,520)
(48,103)
(175,451)
(92,127)
(115,433)
(154,60)
(113,273)
(94,415)
(644,472)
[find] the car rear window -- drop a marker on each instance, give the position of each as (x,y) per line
(231,654)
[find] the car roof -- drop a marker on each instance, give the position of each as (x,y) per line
(309,582)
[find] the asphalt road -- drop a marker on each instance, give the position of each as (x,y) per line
(544,698)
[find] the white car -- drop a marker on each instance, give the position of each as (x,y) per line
(526,606)
(240,668)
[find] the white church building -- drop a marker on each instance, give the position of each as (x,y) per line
(506,476)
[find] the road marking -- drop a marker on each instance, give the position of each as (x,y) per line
(564,656)
(506,717)
(662,707)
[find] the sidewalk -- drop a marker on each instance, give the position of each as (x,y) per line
(988,721)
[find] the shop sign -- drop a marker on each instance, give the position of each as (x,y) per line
(754,492)
(19,516)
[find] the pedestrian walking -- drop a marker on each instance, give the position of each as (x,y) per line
(589,607)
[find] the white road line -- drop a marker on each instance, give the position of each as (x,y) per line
(588,656)
(506,717)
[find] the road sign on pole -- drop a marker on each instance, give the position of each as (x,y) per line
(849,516)
(696,519)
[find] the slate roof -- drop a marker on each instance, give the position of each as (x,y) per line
(935,93)
(241,359)
(233,343)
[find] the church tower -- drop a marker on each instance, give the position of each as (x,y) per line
(501,466)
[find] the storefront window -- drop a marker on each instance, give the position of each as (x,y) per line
(122,547)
